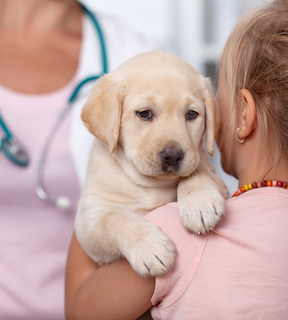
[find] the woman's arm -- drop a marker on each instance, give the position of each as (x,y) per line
(114,291)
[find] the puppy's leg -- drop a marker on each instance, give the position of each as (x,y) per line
(106,237)
(201,200)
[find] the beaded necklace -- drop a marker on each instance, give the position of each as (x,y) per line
(269,183)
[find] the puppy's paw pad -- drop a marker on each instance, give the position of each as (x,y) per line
(199,211)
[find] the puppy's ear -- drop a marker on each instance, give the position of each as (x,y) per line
(101,113)
(212,117)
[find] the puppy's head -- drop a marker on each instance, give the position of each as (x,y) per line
(157,108)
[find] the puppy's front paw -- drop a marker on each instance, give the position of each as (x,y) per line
(201,210)
(153,254)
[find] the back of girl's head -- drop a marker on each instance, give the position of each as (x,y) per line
(256,58)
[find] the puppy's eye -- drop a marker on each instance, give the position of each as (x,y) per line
(145,114)
(191,115)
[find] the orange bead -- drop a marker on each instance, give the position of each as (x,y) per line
(242,189)
(269,183)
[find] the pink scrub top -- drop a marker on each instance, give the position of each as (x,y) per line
(35,236)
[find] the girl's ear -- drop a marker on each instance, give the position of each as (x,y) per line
(248,118)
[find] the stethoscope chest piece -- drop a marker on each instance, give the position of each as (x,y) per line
(11,148)
(14,151)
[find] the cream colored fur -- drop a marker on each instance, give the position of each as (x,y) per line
(129,171)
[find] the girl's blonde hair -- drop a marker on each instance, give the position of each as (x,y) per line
(256,58)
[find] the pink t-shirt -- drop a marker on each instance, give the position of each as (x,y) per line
(35,236)
(239,271)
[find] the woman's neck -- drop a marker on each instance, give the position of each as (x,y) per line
(37,18)
(40,42)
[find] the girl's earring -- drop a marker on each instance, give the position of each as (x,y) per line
(237,138)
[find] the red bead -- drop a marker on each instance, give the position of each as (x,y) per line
(284,185)
(254,184)
(279,184)
(264,183)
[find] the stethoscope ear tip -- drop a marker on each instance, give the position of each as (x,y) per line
(63,202)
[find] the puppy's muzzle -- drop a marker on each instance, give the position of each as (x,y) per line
(171,158)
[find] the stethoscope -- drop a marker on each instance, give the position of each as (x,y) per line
(16,153)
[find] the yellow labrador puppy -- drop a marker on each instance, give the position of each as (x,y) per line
(149,118)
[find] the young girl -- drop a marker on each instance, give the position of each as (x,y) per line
(240,270)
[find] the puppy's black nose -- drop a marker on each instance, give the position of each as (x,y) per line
(172,156)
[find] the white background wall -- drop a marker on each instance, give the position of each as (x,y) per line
(180,25)
(195,30)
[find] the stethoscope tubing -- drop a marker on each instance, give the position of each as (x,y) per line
(7,132)
(21,158)
(74,94)
(64,202)
(39,169)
